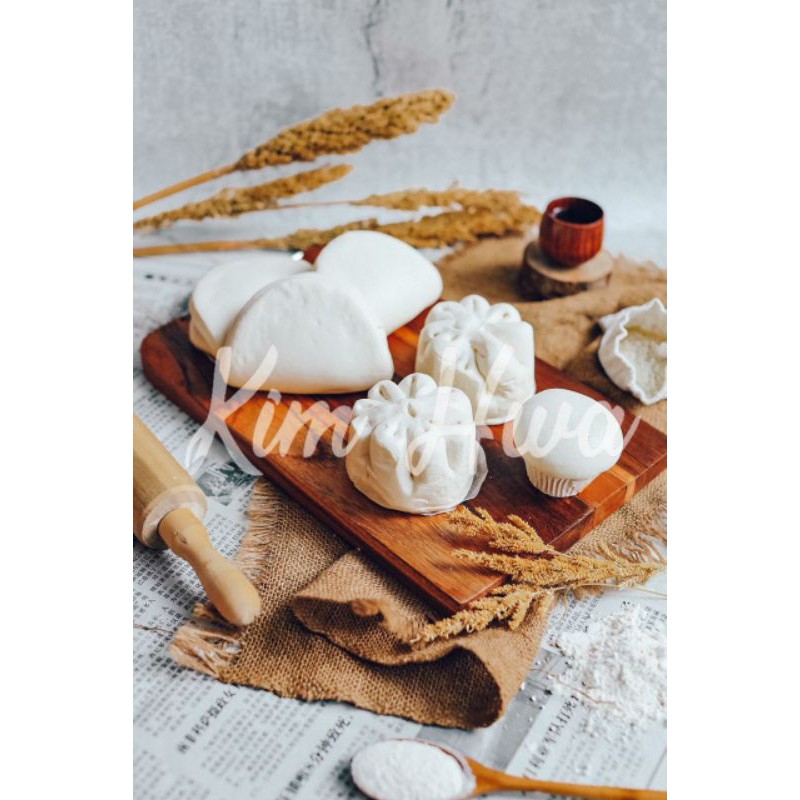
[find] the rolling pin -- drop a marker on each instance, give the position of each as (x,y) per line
(168,509)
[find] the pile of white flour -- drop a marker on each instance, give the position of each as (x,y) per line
(620,664)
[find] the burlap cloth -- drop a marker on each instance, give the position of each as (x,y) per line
(328,614)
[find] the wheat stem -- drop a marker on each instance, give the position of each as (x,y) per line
(209,247)
(187,184)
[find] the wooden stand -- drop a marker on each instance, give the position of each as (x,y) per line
(540,279)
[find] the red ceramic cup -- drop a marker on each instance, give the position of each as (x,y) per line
(571,231)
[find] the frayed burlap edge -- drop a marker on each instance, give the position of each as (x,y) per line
(207,643)
(637,532)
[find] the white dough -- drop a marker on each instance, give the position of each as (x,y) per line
(221,294)
(567,439)
(329,329)
(414,446)
(485,350)
(325,340)
(396,280)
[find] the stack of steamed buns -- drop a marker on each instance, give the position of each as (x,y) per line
(322,329)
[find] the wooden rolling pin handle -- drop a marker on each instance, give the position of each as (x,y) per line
(168,507)
(227,588)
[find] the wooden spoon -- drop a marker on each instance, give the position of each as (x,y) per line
(490,780)
(479,780)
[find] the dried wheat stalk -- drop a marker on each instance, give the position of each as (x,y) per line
(449,227)
(335,132)
(562,571)
(260,198)
(347,130)
(233,202)
(513,536)
(535,569)
(437,230)
(454,197)
(510,606)
(415,199)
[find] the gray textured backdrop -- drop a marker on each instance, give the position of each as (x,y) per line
(554,96)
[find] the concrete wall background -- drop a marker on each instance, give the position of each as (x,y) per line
(554,97)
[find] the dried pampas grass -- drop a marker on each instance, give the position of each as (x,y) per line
(535,569)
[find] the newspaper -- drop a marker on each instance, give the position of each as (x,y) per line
(197,738)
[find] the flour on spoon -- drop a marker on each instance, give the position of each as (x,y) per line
(404,769)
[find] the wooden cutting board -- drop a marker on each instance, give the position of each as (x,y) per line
(418,549)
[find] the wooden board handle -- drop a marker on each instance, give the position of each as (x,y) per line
(227,588)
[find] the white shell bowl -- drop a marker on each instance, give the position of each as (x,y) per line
(651,316)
